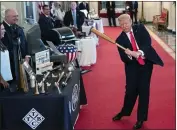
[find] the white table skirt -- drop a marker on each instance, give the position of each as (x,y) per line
(88,54)
(86,29)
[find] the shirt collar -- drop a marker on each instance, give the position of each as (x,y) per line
(130,31)
(46,15)
(7,23)
(73,10)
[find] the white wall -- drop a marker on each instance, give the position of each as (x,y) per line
(171,15)
(18,6)
(94,5)
(150,9)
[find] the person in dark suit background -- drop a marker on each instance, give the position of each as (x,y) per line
(138,59)
(74,17)
(133,9)
(129,7)
(46,23)
(13,31)
(84,5)
(110,5)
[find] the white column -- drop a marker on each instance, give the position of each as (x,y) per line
(94,5)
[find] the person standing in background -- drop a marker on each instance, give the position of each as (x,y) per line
(84,5)
(135,10)
(74,17)
(129,7)
(46,23)
(13,32)
(110,5)
(132,7)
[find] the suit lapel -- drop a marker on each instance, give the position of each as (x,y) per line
(127,41)
(135,32)
(71,15)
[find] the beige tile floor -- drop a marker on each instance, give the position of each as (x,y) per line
(166,39)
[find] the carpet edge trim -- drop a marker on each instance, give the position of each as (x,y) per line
(162,44)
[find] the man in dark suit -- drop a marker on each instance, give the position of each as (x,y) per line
(129,7)
(13,31)
(110,5)
(84,5)
(46,23)
(133,9)
(138,59)
(74,17)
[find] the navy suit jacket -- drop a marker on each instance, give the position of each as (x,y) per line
(46,24)
(68,19)
(135,6)
(8,40)
(82,6)
(143,40)
(108,6)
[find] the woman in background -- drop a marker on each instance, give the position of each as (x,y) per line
(2,49)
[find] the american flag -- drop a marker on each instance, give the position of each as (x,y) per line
(69,50)
(40,4)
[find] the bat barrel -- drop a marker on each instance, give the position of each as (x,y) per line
(105,37)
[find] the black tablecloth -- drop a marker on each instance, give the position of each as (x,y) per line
(58,112)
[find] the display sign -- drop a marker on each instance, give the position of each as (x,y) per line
(43,61)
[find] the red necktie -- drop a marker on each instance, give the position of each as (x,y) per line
(140,60)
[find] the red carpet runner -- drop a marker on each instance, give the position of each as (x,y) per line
(105,91)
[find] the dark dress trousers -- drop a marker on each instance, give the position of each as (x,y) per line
(137,76)
(111,12)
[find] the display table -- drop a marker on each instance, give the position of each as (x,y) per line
(42,112)
(99,25)
(88,53)
(86,29)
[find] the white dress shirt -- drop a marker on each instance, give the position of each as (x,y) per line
(128,35)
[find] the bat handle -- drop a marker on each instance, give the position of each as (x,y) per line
(120,46)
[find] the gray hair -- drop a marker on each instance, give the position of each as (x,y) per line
(124,17)
(9,10)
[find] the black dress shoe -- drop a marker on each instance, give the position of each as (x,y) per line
(117,117)
(138,125)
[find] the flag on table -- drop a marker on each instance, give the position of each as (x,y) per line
(69,50)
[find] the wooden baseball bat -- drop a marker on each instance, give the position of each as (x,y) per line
(106,37)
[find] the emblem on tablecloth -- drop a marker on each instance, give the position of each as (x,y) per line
(33,118)
(75,96)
